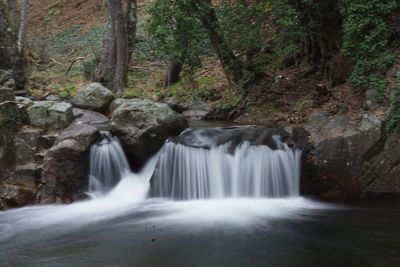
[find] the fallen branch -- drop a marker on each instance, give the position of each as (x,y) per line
(72,63)
(58,63)
(12,102)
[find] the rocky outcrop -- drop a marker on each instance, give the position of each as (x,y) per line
(196,110)
(42,160)
(9,123)
(349,156)
(143,126)
(66,164)
(93,97)
(88,117)
(236,135)
(50,114)
(193,110)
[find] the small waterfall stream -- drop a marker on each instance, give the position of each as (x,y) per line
(218,171)
(108,164)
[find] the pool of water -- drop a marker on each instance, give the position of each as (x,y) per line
(228,232)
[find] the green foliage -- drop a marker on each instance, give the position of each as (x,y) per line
(365,40)
(284,34)
(241,24)
(68,90)
(72,42)
(228,103)
(202,88)
(177,34)
(394,115)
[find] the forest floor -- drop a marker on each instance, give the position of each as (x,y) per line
(62,32)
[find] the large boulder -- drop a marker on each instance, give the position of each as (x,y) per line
(143,126)
(93,97)
(381,175)
(196,110)
(88,117)
(66,165)
(193,109)
(50,114)
(342,150)
(12,196)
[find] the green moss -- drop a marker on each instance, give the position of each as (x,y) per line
(68,90)
(135,93)
(228,103)
(201,88)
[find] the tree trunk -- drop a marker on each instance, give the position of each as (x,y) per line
(121,38)
(131,25)
(9,40)
(12,4)
(175,67)
(322,24)
(113,68)
(235,69)
(23,26)
(173,73)
(104,72)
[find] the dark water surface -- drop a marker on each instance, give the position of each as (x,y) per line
(246,233)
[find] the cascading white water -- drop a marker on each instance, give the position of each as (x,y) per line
(108,164)
(185,172)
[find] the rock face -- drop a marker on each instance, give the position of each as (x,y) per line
(143,126)
(193,110)
(343,150)
(196,110)
(41,159)
(50,114)
(236,135)
(66,165)
(88,117)
(9,123)
(93,97)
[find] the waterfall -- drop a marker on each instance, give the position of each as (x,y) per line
(211,170)
(108,164)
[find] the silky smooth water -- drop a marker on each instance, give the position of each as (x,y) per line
(108,164)
(251,171)
(206,168)
(122,226)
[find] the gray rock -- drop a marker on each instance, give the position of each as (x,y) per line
(85,134)
(10,84)
(143,126)
(30,135)
(5,76)
(66,165)
(62,113)
(47,141)
(172,102)
(93,97)
(196,114)
(341,149)
(196,105)
(50,114)
(6,95)
(28,175)
(23,152)
(93,118)
(38,113)
(53,97)
(23,105)
(116,103)
(12,196)
(196,110)
(193,110)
